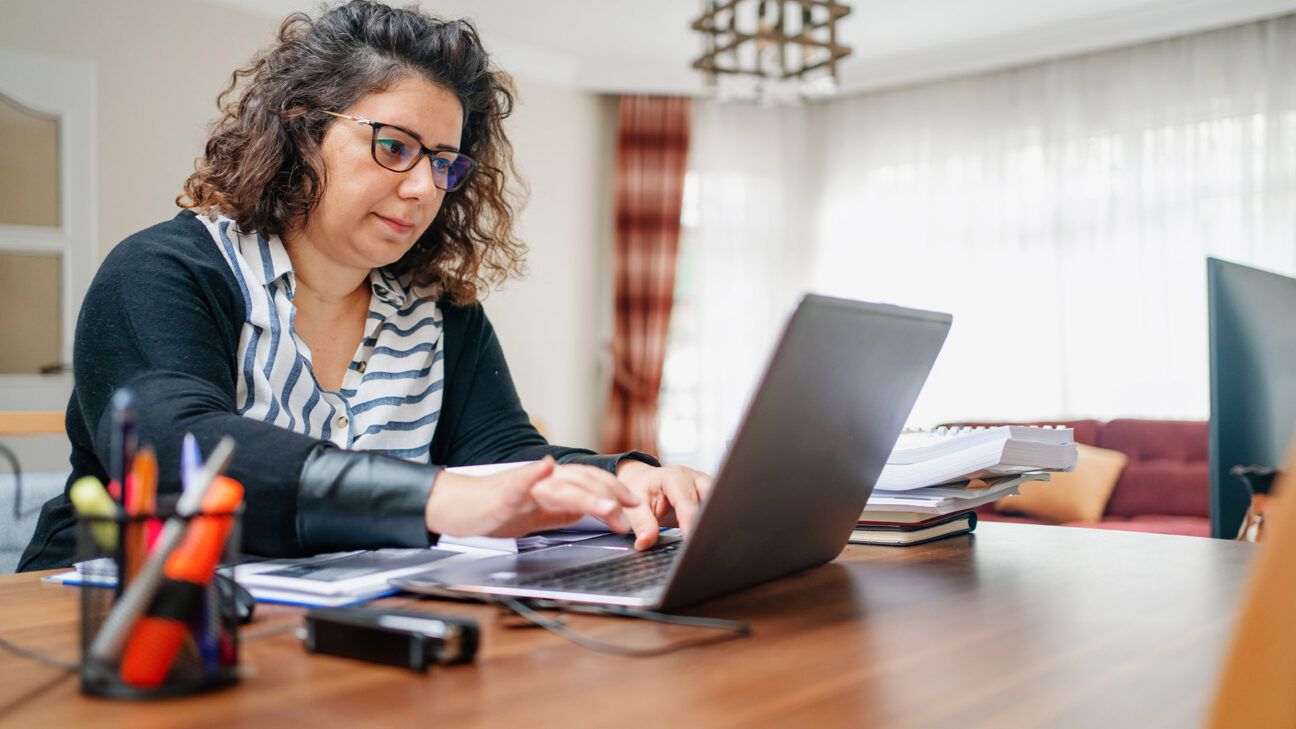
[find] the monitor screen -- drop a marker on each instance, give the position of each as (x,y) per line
(1253,380)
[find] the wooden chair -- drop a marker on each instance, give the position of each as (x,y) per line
(16,526)
(1257,686)
(16,422)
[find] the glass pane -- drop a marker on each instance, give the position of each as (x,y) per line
(29,157)
(31,311)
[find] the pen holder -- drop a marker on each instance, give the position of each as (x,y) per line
(182,635)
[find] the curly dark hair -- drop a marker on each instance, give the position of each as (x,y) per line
(262,165)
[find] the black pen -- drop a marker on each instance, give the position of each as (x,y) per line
(124,442)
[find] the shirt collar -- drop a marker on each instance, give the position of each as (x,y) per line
(270,262)
(268,258)
(389,289)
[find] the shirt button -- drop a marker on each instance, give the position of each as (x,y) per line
(341,421)
(362,366)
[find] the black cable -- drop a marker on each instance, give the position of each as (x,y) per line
(626,612)
(35,693)
(48,660)
(12,457)
(733,629)
(73,666)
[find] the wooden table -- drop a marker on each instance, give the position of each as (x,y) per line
(1017,626)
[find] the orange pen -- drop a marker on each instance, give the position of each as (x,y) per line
(153,644)
(140,503)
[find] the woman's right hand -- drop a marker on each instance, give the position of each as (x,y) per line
(530,498)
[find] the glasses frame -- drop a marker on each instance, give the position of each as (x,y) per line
(424,150)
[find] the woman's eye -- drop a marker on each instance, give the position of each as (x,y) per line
(392,147)
(440,164)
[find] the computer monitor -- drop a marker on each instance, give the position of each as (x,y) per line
(1253,380)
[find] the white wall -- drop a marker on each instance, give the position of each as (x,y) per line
(160,65)
(555,323)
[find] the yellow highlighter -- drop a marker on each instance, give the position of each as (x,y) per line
(91,499)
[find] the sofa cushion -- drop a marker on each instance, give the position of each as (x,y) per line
(1080,495)
(1175,440)
(1168,471)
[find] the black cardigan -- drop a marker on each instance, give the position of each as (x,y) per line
(164,314)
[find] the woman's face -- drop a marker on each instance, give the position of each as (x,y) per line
(370,216)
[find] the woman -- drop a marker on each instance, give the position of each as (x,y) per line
(316,301)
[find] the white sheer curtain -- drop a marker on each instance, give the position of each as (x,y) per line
(744,258)
(1062,212)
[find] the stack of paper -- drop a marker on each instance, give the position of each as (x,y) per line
(345,578)
(100,572)
(936,500)
(325,580)
(330,580)
(956,455)
(915,516)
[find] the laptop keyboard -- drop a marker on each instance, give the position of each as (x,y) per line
(628,574)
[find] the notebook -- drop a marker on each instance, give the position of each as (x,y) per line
(324,580)
(904,535)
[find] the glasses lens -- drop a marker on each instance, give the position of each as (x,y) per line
(450,170)
(394,149)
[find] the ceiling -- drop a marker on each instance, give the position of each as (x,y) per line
(646,46)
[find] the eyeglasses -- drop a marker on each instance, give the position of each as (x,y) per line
(399,151)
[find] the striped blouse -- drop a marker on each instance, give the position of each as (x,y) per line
(390,397)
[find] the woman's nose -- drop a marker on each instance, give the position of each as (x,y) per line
(419,182)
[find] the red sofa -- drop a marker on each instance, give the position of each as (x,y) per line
(1165,486)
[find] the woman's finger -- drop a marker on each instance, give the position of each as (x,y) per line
(683,495)
(544,520)
(558,494)
(703,483)
(598,480)
(644,525)
(515,483)
(637,511)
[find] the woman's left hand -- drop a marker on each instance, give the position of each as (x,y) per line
(669,497)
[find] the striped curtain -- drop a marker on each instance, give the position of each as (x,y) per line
(652,150)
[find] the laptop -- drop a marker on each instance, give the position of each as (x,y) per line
(827,412)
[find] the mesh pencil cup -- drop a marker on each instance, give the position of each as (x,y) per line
(151,627)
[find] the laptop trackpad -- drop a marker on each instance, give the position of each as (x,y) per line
(612,541)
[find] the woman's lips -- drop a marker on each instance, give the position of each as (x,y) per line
(397,226)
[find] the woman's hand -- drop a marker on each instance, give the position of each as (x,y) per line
(530,498)
(670,496)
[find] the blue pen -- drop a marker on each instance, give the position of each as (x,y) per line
(209,620)
(124,442)
(190,460)
(209,626)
